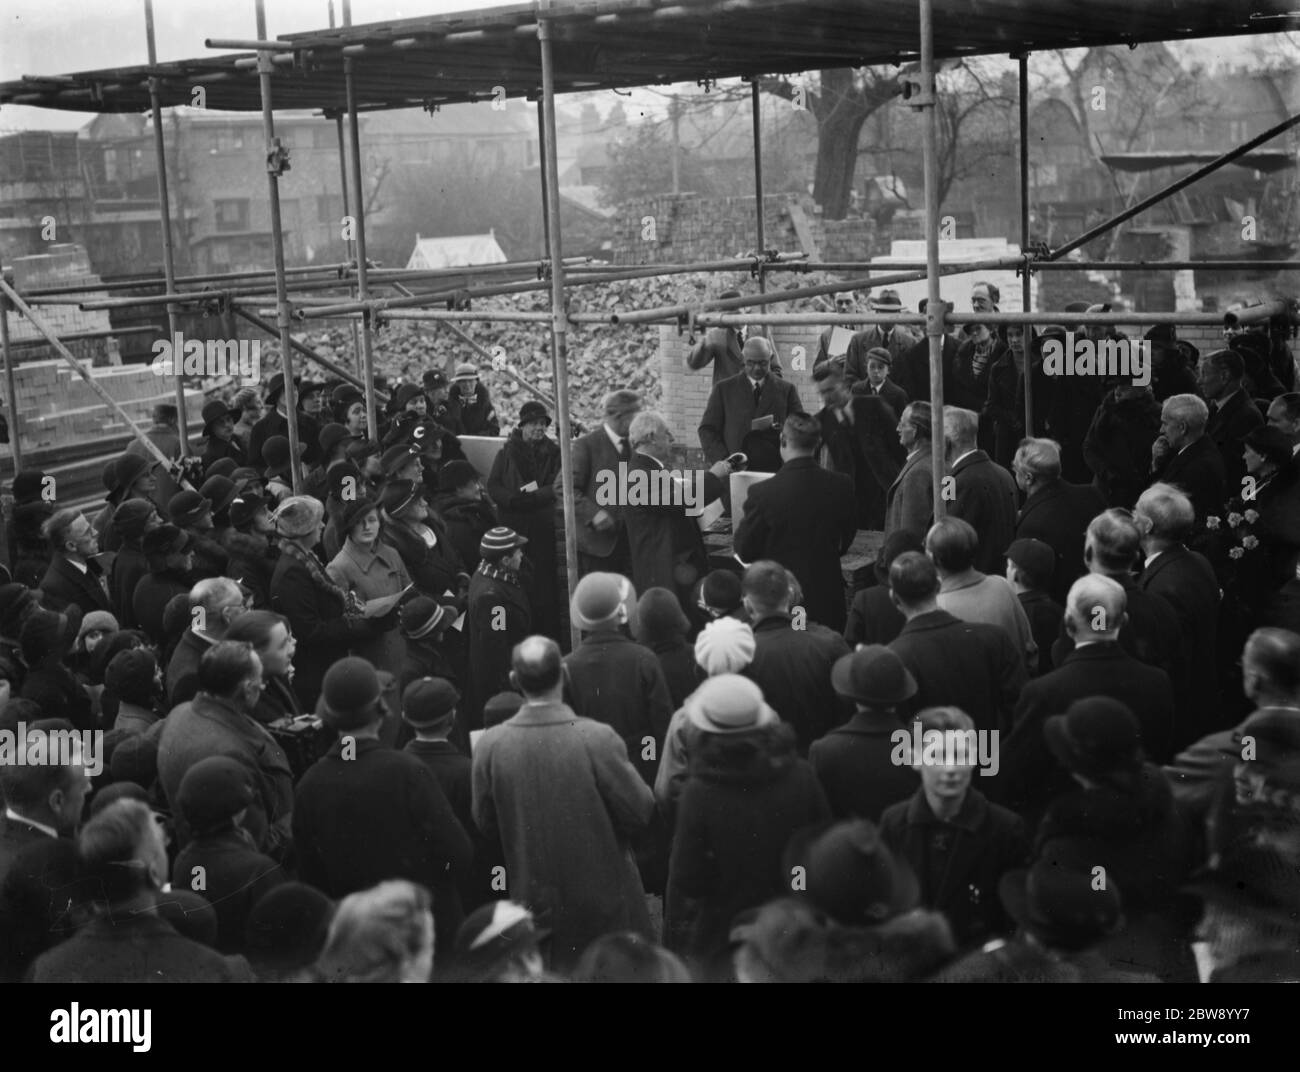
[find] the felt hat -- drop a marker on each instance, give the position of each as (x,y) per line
(243,508)
(398,495)
(350,694)
(216,411)
(873,676)
(602,600)
(186,507)
(456,474)
(423,616)
(1096,735)
(852,875)
(728,703)
(532,410)
(220,491)
(354,510)
(131,518)
(275,453)
(213,791)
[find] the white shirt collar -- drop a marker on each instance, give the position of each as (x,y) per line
(1151,558)
(957,461)
(78,564)
(11,814)
(1295,450)
(617,440)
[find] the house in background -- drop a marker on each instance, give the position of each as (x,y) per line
(456,251)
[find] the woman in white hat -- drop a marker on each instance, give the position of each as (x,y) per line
(748,792)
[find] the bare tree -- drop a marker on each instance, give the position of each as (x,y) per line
(841,100)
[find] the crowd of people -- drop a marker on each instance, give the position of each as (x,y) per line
(745,770)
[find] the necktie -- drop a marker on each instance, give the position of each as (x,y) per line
(623,452)
(758,391)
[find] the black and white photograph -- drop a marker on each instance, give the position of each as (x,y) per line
(651,491)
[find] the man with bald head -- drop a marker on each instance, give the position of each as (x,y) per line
(1095,614)
(568,805)
(745,412)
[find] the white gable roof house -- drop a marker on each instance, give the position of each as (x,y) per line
(456,251)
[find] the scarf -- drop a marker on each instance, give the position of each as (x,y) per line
(496,572)
(318,575)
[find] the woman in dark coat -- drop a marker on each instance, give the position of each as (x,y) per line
(1254,543)
(47,640)
(29,550)
(1117,447)
(521,484)
(325,623)
(747,794)
(249,544)
(1123,818)
(422,540)
(662,626)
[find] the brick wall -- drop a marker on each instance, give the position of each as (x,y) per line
(694,229)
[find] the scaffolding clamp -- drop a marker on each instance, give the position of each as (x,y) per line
(706,83)
(686,323)
(1035,251)
(913,91)
(430,106)
(277,158)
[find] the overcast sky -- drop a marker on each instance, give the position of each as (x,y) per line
(58,36)
(54,36)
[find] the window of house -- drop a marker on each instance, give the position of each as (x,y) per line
(232,214)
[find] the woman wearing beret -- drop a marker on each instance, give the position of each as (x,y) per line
(369,569)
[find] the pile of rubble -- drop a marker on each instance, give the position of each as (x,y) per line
(602,358)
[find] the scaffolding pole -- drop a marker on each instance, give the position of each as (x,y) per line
(349,243)
(303,348)
(11,387)
(541,157)
(1026,298)
(363,268)
(935,310)
(757,115)
(164,207)
(560,327)
(275,159)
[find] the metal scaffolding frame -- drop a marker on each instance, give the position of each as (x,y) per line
(277,59)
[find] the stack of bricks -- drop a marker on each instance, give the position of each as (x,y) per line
(55,407)
(63,265)
(690,229)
